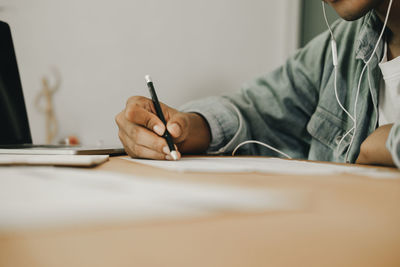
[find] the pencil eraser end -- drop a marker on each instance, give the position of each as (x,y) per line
(174,155)
(148,79)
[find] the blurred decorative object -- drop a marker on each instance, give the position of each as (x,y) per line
(44,103)
(71,140)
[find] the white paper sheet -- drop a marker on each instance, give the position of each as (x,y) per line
(46,196)
(264,165)
(56,160)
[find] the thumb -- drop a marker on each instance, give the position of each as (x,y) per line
(178,126)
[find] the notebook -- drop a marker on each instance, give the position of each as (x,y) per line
(15,135)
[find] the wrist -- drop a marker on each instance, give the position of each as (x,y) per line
(199,135)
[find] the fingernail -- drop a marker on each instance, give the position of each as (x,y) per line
(175,129)
(158,129)
(166,150)
(168,157)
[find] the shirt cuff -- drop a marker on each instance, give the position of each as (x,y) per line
(393,143)
(224,121)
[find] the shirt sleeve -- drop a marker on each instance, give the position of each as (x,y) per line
(224,120)
(273,109)
(393,143)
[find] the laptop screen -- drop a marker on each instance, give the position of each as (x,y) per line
(14,125)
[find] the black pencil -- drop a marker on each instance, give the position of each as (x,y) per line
(160,115)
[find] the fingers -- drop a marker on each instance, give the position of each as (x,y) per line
(145,118)
(140,142)
(178,126)
(140,129)
(133,134)
(140,110)
(138,150)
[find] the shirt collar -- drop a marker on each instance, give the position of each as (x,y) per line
(368,36)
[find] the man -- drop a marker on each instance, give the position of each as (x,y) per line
(294,108)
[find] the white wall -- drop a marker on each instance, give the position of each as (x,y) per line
(104,48)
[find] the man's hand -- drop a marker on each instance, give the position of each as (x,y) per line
(373,150)
(140,130)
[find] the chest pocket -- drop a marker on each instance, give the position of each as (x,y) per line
(328,129)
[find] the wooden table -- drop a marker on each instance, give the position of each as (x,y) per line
(350,221)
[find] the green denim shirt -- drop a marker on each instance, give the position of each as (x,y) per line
(294,108)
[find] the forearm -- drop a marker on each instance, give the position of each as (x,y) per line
(393,143)
(373,150)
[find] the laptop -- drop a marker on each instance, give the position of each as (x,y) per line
(15,135)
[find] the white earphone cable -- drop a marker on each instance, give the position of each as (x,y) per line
(337,97)
(334,57)
(326,20)
(362,74)
(335,64)
(260,143)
